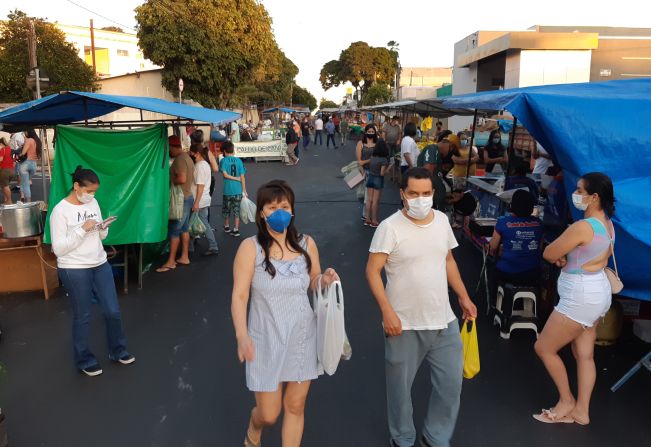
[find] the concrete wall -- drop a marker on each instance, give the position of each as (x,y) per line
(621,59)
(545,67)
(464,80)
(417,92)
(512,69)
(116,53)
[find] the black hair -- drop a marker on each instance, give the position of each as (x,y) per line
(415,173)
(600,184)
(197,136)
(410,130)
(84,177)
(490,143)
(31,133)
(228,147)
(366,129)
(3,141)
(198,148)
(439,122)
(381,149)
(522,203)
(443,135)
(395,117)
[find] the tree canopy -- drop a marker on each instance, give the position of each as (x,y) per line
(55,55)
(225,54)
(327,104)
(361,65)
(302,96)
(377,94)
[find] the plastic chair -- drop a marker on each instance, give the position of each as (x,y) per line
(516,319)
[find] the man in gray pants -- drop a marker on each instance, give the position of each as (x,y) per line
(414,247)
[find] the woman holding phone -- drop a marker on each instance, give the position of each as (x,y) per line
(77,231)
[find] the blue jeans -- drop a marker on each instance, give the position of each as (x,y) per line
(442,350)
(329,138)
(318,134)
(176,227)
(82,286)
(26,170)
(203,216)
(306,141)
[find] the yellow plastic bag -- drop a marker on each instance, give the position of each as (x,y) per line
(470,350)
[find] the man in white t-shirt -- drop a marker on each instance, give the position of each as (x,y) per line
(318,130)
(543,160)
(414,247)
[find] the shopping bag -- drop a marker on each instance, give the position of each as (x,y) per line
(176,202)
(352,166)
(331,338)
(247,210)
(470,350)
(354,178)
(196,227)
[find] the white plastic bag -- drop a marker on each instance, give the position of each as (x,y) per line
(330,328)
(247,210)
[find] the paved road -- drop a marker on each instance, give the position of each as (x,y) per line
(187,389)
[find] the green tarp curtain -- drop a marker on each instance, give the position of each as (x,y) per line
(133,170)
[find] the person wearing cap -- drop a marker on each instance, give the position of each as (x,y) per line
(181,174)
(520,236)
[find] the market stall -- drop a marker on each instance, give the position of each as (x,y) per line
(139,154)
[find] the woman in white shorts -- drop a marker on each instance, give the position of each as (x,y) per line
(584,297)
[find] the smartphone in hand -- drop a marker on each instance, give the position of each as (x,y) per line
(103,225)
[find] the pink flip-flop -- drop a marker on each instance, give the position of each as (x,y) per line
(548,417)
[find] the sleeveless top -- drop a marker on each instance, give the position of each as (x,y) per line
(583,254)
(282,324)
(367,153)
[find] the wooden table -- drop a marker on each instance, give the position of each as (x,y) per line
(26,266)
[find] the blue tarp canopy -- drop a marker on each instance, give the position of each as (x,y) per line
(282,109)
(73,107)
(601,126)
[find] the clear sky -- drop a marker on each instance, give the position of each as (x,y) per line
(312,32)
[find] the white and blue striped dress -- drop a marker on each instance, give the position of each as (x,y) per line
(282,325)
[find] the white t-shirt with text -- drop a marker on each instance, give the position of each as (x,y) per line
(417,284)
(73,246)
(202,176)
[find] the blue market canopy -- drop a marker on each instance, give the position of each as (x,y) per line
(73,107)
(425,107)
(281,109)
(601,126)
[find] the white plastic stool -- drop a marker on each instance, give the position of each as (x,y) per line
(525,318)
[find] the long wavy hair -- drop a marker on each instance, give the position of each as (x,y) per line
(273,192)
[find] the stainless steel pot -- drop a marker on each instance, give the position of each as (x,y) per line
(21,220)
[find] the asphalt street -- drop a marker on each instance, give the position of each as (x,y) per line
(187,388)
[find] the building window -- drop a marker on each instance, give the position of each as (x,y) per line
(123,53)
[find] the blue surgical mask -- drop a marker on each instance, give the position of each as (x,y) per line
(279,220)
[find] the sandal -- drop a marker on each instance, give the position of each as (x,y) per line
(248,442)
(549,417)
(164,269)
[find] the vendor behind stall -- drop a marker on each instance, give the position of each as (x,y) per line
(520,180)
(520,235)
(495,152)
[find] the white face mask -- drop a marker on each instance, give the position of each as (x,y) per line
(85,197)
(420,207)
(577,200)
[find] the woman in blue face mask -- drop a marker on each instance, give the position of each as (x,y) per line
(276,269)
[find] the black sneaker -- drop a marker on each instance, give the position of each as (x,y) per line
(227,230)
(235,232)
(93,370)
(125,359)
(211,252)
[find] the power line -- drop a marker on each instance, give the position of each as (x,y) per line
(101,16)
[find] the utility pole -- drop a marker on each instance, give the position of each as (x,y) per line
(92,45)
(33,63)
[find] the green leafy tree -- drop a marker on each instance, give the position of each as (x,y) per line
(302,96)
(361,65)
(215,46)
(55,55)
(327,104)
(377,94)
(115,29)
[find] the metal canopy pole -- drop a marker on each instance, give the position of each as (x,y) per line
(511,143)
(472,142)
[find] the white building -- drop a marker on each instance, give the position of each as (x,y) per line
(116,53)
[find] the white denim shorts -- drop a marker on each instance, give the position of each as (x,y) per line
(584,298)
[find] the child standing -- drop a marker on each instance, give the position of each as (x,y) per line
(233,171)
(375,181)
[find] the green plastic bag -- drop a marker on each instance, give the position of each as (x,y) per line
(197,228)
